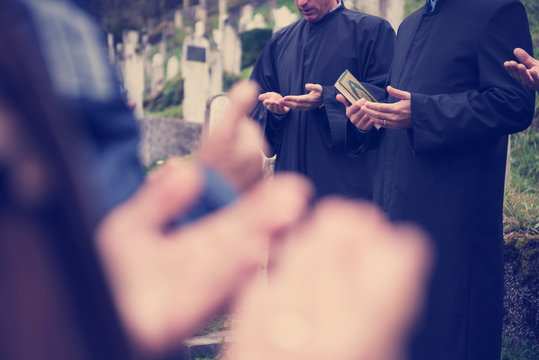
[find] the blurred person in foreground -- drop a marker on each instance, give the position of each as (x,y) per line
(527,71)
(136,291)
(125,284)
(441,159)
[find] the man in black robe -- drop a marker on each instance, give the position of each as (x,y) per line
(310,55)
(441,160)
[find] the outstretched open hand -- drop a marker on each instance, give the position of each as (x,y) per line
(310,101)
(274,102)
(527,71)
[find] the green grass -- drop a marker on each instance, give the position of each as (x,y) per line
(175,111)
(521,206)
(412,5)
(218,323)
(519,350)
(246,72)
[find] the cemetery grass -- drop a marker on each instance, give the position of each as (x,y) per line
(521,225)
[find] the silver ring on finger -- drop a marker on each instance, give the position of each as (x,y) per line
(384,122)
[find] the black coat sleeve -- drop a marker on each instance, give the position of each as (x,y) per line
(499,105)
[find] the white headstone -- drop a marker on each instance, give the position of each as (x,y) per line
(110,47)
(158,73)
(394,12)
(283,17)
(196,73)
(258,22)
(173,67)
(201,13)
(391,10)
(133,71)
(178,19)
(223,13)
(216,71)
(231,45)
(217,107)
(246,17)
(147,64)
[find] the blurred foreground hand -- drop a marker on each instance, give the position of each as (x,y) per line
(166,284)
(234,148)
(346,286)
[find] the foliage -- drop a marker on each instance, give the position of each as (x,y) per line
(172,95)
(252,43)
(218,323)
(522,250)
(229,80)
(532,8)
(521,207)
(246,73)
(290,4)
(412,5)
(175,111)
(519,350)
(116,15)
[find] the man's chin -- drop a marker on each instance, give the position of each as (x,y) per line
(312,18)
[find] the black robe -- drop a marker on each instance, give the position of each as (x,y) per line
(318,53)
(446,173)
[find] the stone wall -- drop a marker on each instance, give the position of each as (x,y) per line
(162,137)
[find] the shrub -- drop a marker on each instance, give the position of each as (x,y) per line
(252,43)
(172,95)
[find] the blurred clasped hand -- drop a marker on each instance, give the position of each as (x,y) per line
(167,283)
(347,285)
(344,282)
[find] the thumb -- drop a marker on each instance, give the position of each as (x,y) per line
(166,195)
(343,100)
(313,87)
(524,57)
(399,94)
(265,96)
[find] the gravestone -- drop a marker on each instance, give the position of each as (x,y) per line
(369,7)
(215,109)
(178,19)
(394,12)
(216,70)
(391,10)
(231,47)
(283,17)
(223,13)
(158,73)
(201,13)
(246,17)
(147,63)
(258,22)
(173,67)
(133,70)
(110,47)
(196,73)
